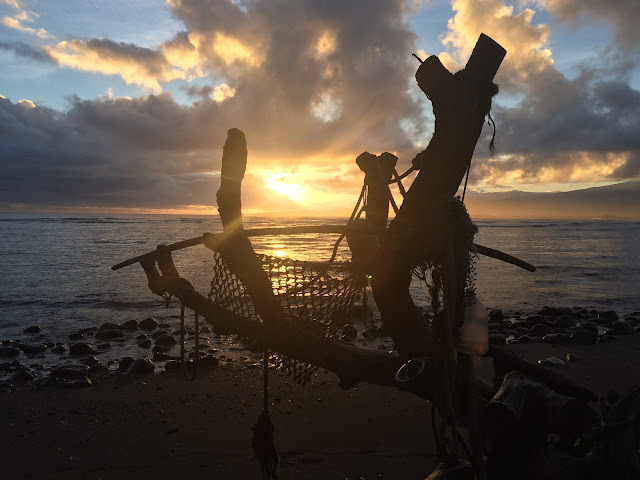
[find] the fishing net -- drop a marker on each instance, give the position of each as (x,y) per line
(315,296)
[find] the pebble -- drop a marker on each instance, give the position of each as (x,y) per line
(160,349)
(572,357)
(591,327)
(125,363)
(130,325)
(141,366)
(33,329)
(528,339)
(496,315)
(172,365)
(76,336)
(59,349)
(23,376)
(623,328)
(74,370)
(9,351)
(78,383)
(164,326)
(583,337)
(109,326)
(90,361)
(80,348)
(103,346)
(98,370)
(34,348)
(609,316)
(159,333)
(148,323)
(557,338)
(109,334)
(209,361)
(541,330)
(536,319)
(145,343)
(497,339)
(350,331)
(565,321)
(551,362)
(166,341)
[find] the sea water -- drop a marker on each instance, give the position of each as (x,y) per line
(56,268)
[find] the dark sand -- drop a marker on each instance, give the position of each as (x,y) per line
(161,426)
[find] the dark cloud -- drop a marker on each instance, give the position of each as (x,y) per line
(27,51)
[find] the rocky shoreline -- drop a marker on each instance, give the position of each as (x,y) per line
(144,347)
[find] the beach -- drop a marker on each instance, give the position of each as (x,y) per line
(163,426)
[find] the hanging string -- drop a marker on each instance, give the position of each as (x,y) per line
(263,443)
(355,215)
(187,375)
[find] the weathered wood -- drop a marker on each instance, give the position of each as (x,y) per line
(506,361)
(460,104)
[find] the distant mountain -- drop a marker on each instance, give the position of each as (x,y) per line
(619,201)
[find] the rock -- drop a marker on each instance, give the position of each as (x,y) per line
(370,332)
(209,361)
(148,323)
(161,356)
(76,336)
(33,329)
(98,370)
(172,365)
(80,348)
(160,349)
(59,349)
(350,331)
(497,339)
(46,382)
(205,329)
(109,326)
(90,361)
(528,339)
(565,321)
(572,357)
(145,343)
(157,334)
(541,330)
(623,328)
(109,334)
(78,383)
(166,340)
(536,319)
(609,316)
(23,376)
(164,326)
(557,338)
(496,315)
(631,319)
(141,337)
(141,366)
(551,362)
(381,332)
(9,351)
(583,337)
(125,363)
(75,370)
(34,348)
(130,325)
(554,312)
(522,331)
(103,346)
(591,327)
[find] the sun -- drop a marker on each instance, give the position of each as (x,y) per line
(284,185)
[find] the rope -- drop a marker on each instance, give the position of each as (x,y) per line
(188,376)
(352,218)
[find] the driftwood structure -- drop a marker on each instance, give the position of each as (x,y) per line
(298,317)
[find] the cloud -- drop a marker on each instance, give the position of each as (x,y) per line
(563,130)
(27,51)
(17,22)
(622,14)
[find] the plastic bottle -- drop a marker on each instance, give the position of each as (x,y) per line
(474,332)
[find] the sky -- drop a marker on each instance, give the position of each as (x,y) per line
(124,105)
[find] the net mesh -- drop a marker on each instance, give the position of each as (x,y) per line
(315,296)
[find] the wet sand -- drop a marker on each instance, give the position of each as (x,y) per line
(162,426)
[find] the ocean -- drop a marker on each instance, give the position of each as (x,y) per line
(56,268)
